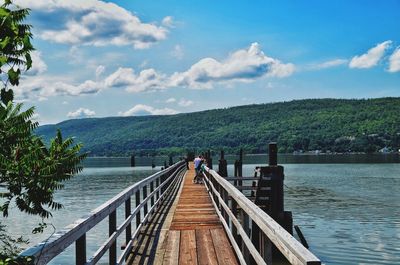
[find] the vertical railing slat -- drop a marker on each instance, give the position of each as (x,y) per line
(137,203)
(112,227)
(80,250)
(151,190)
(145,207)
(128,231)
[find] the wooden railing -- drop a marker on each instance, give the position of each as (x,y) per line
(158,185)
(252,232)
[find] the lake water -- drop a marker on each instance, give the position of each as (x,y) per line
(348,212)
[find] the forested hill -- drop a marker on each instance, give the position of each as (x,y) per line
(313,124)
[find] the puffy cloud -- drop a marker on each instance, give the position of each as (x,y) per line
(140,110)
(185,102)
(92,22)
(43,87)
(81,113)
(147,80)
(170,100)
(243,65)
(371,58)
(394,61)
(38,65)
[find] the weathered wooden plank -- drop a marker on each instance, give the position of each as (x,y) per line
(171,256)
(222,247)
(205,248)
(187,246)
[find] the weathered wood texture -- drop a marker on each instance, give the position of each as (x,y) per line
(196,235)
(144,248)
(269,229)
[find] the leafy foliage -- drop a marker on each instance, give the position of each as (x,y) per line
(15,47)
(30,172)
(337,125)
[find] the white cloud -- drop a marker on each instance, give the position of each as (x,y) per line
(168,21)
(44,86)
(140,110)
(177,52)
(81,113)
(92,22)
(170,100)
(38,65)
(394,61)
(329,64)
(371,58)
(243,65)
(146,81)
(185,102)
(100,70)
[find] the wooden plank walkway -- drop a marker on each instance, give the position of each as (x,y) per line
(196,235)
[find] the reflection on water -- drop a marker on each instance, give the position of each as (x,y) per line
(349,213)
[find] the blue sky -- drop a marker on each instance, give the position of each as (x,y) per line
(121,58)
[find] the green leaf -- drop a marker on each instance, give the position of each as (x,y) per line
(7,96)
(4,42)
(28,61)
(14,76)
(3,60)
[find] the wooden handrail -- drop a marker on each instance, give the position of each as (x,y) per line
(47,250)
(270,231)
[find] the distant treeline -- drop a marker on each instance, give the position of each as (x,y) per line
(328,125)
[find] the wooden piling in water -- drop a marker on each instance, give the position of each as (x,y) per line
(209,159)
(222,166)
(133,160)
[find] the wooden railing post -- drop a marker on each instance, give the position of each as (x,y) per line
(128,210)
(234,229)
(112,227)
(145,207)
(222,166)
(265,248)
(151,190)
(246,227)
(137,203)
(158,191)
(80,250)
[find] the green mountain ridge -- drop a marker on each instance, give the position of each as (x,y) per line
(337,125)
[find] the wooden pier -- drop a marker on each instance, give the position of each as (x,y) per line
(196,233)
(170,220)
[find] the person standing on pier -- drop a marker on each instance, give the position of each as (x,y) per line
(198,161)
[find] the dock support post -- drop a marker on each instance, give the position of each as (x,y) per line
(239,168)
(209,160)
(269,197)
(222,166)
(133,160)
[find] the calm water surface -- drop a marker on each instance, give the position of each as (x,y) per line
(349,213)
